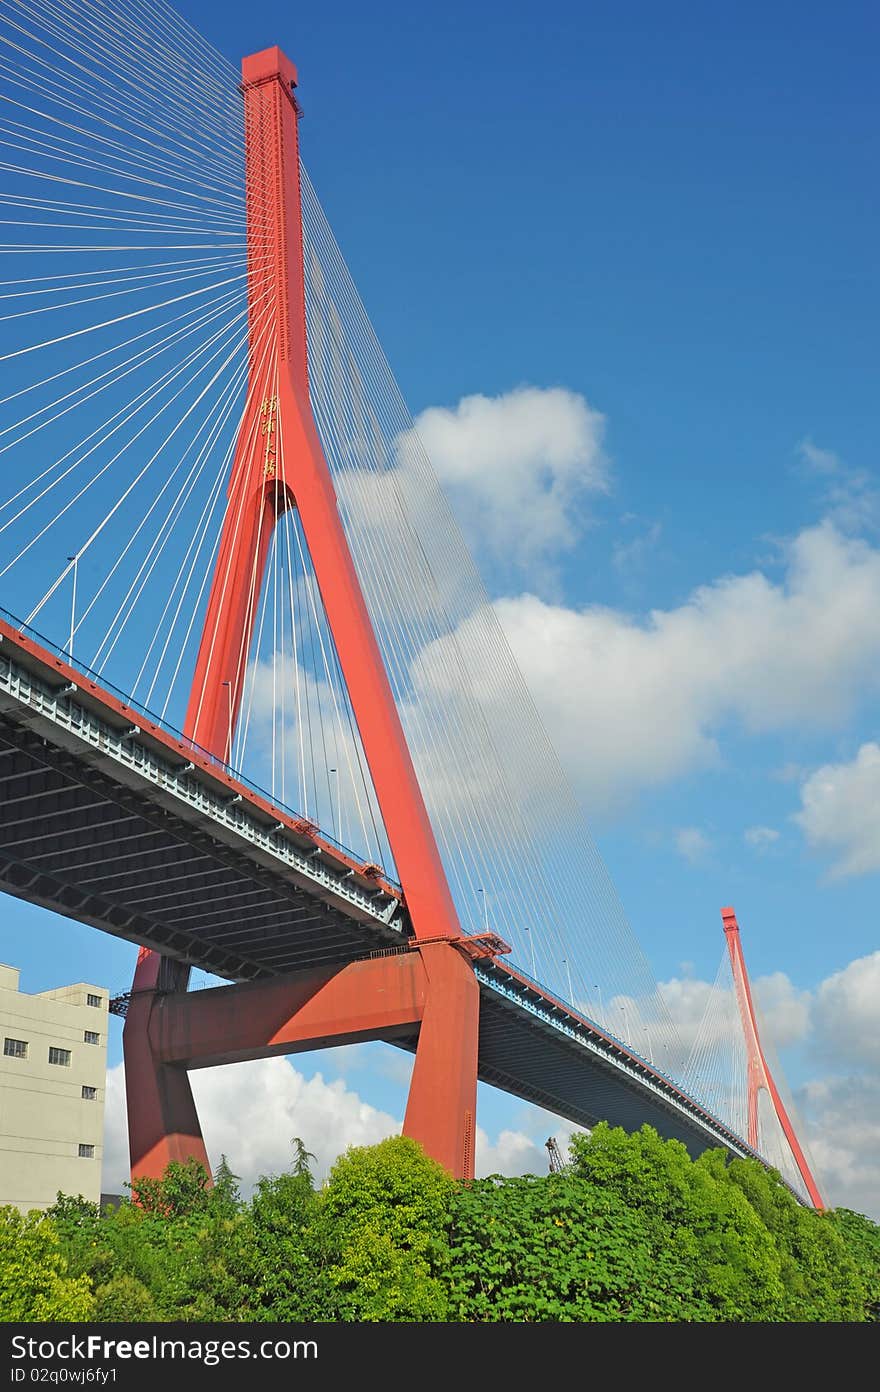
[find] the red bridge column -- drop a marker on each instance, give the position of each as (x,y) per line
(432,990)
(442,1107)
(280,463)
(163,1124)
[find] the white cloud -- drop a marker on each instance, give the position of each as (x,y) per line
(821,461)
(783,1010)
(518,468)
(687,999)
(514,1153)
(633,703)
(692,844)
(846,1014)
(840,812)
(760,838)
(842,1116)
(850,497)
(518,1152)
(250,1112)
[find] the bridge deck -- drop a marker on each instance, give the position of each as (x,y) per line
(109,818)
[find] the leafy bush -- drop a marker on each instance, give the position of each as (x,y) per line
(632,1230)
(34,1280)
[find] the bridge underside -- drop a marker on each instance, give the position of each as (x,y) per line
(76,841)
(119,825)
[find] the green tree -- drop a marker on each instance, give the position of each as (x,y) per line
(34,1281)
(559,1248)
(382,1229)
(182,1190)
(82,1234)
(292,1282)
(821,1278)
(124,1300)
(694,1211)
(225,1196)
(862,1239)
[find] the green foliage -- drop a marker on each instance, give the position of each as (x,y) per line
(301,1158)
(862,1239)
(382,1224)
(225,1196)
(821,1278)
(694,1213)
(632,1230)
(291,1282)
(34,1280)
(561,1249)
(182,1190)
(124,1300)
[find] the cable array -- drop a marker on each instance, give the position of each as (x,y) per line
(135,347)
(517,852)
(130,360)
(124,308)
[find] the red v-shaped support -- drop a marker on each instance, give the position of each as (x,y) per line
(759,1075)
(280,464)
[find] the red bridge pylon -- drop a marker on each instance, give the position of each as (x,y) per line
(280,464)
(759,1075)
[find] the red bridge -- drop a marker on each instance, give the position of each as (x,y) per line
(330,526)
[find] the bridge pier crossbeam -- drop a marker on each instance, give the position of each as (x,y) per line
(429,993)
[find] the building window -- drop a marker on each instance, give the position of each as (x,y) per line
(15,1048)
(87,1152)
(91,1037)
(90,1094)
(93,1000)
(61,1056)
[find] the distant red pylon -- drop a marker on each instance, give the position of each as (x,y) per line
(759,1075)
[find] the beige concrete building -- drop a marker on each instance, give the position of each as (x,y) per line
(53,1069)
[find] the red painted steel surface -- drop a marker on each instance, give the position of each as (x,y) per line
(380,998)
(280,463)
(163,1124)
(759,1075)
(442,1108)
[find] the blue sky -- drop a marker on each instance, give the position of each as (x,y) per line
(672,213)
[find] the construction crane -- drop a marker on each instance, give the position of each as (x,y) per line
(557,1164)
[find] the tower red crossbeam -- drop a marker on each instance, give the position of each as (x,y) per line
(759,1075)
(280,464)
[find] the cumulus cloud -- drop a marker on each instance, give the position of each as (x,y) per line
(846,1013)
(842,1116)
(634,703)
(840,812)
(515,1152)
(760,838)
(518,469)
(250,1112)
(784,1011)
